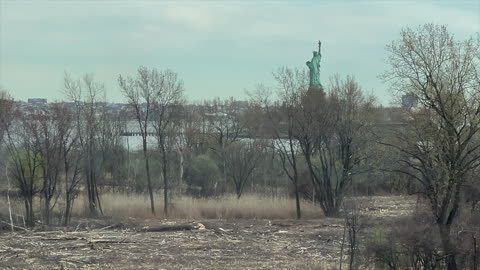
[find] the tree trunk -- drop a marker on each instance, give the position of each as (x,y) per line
(295,179)
(448,248)
(67,193)
(163,151)
(297,198)
(330,208)
(68,207)
(29,211)
(181,167)
(92,204)
(147,168)
(47,210)
(91,194)
(97,198)
(165,181)
(149,182)
(474,252)
(353,239)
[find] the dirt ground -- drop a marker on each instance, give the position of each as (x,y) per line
(211,244)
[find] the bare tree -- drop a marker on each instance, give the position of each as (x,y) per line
(331,132)
(85,94)
(72,157)
(167,108)
(283,116)
(354,223)
(7,110)
(48,138)
(140,93)
(112,165)
(26,158)
(224,128)
(154,96)
(190,135)
(241,159)
(279,121)
(439,145)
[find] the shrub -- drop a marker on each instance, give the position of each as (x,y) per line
(203,177)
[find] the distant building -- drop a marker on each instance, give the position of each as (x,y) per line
(37,101)
(240,105)
(409,100)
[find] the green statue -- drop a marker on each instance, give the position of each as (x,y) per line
(314,66)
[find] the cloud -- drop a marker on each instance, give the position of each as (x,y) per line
(185,24)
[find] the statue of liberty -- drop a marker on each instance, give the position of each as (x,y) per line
(314,66)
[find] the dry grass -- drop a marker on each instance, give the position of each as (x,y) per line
(227,207)
(17,207)
(138,206)
(250,206)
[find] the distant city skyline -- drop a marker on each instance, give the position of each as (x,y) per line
(219,48)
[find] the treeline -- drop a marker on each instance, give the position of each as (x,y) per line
(288,139)
(270,147)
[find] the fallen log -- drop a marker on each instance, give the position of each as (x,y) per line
(174,228)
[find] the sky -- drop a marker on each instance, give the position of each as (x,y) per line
(219,48)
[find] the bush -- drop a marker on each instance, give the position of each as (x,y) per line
(203,178)
(414,243)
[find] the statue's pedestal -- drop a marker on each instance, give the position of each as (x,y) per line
(314,99)
(315,94)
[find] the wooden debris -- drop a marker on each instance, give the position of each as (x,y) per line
(224,230)
(107,241)
(174,227)
(16,227)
